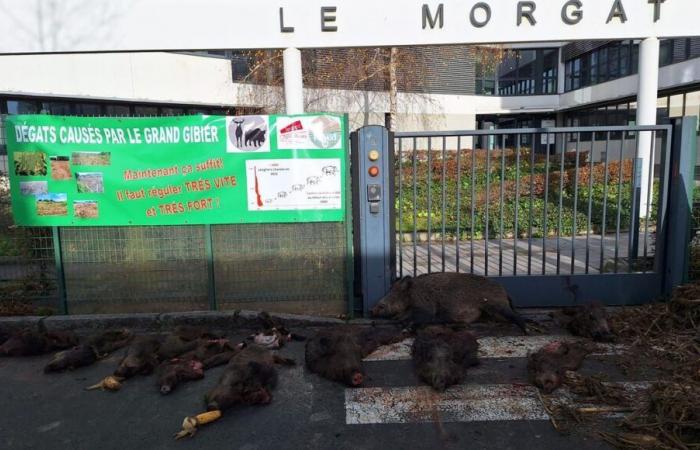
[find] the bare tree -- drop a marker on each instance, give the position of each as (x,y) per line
(363,74)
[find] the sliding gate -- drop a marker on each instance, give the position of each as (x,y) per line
(557,215)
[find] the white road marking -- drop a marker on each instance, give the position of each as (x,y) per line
(493,347)
(467,403)
(463,403)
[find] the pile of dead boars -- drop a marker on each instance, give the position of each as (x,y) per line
(434,309)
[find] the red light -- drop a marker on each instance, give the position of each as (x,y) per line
(373,171)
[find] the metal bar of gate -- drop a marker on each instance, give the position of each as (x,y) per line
(473,213)
(415,209)
(400,165)
(605,202)
(502,183)
(517,206)
(486,214)
(429,183)
(444,199)
(573,222)
(546,202)
(459,198)
(589,223)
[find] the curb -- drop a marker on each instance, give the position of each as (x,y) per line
(216,320)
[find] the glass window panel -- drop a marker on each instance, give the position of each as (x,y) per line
(88,109)
(692,104)
(56,108)
(145,110)
(603,65)
(168,111)
(117,110)
(676,106)
(613,62)
(22,107)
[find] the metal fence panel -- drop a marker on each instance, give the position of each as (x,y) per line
(557,201)
(285,267)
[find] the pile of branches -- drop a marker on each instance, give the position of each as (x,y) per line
(601,398)
(669,418)
(666,333)
(668,336)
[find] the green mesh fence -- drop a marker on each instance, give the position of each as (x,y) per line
(296,267)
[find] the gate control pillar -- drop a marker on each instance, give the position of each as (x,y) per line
(373,213)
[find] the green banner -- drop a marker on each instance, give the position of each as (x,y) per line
(87,171)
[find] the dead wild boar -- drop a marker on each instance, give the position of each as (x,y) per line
(94,348)
(213,352)
(141,357)
(590,321)
(79,356)
(110,341)
(248,379)
(441,356)
(546,367)
(336,353)
(32,342)
(173,372)
(446,298)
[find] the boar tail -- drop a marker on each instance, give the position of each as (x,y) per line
(507,313)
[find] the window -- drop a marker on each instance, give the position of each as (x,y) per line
(676,106)
(56,108)
(145,110)
(117,110)
(692,104)
(22,107)
(88,109)
(168,111)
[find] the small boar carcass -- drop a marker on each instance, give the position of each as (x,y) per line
(248,379)
(141,358)
(590,321)
(546,367)
(441,356)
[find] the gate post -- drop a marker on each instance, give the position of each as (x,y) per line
(373,213)
(678,222)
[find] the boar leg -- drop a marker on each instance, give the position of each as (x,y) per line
(218,360)
(506,313)
(283,361)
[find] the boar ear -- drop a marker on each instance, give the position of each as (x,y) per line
(406,282)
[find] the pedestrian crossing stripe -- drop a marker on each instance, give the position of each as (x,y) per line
(493,347)
(462,403)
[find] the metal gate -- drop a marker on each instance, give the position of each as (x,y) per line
(558,215)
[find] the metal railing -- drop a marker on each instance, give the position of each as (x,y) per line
(533,201)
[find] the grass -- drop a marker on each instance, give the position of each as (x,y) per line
(91,158)
(49,208)
(85,210)
(30,163)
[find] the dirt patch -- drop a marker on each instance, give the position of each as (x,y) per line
(85,210)
(51,208)
(91,158)
(60,169)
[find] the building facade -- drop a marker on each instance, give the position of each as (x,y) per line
(586,83)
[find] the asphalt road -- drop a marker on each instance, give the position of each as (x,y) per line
(54,412)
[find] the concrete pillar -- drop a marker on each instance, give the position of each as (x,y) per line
(646,110)
(293,81)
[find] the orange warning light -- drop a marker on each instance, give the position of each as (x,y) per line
(373,171)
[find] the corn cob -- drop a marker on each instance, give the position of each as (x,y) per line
(190,424)
(110,383)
